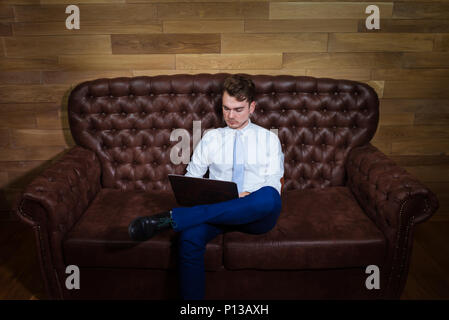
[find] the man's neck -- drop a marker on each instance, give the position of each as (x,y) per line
(243,126)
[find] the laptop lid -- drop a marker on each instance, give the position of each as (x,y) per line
(190,191)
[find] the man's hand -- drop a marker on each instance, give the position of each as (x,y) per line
(243,194)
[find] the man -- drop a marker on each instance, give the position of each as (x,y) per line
(242,152)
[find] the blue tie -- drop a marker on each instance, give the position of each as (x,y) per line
(238,164)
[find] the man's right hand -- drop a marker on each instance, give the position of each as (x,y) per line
(243,194)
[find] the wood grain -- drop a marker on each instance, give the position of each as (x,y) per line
(228,61)
(347,73)
(425,60)
(380,42)
(301,25)
(203,26)
(27,46)
(5,29)
(32,93)
(407,26)
(131,13)
(40,137)
(117,62)
(441,42)
(273,43)
(415,105)
(29,64)
(20,77)
(416,89)
(410,74)
(87,27)
(216,10)
(165,43)
(75,77)
(421,10)
(324,10)
(431,147)
(342,60)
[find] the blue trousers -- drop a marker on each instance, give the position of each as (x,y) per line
(256,213)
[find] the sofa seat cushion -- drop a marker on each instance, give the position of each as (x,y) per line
(100,237)
(317,228)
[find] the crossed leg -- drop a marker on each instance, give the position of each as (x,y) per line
(256,213)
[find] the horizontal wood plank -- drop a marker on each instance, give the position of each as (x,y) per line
(421,10)
(135,13)
(117,62)
(431,147)
(342,60)
(410,74)
(5,29)
(228,61)
(40,137)
(351,74)
(425,60)
(416,89)
(427,119)
(20,77)
(407,25)
(165,43)
(29,64)
(441,42)
(216,10)
(28,46)
(415,105)
(32,93)
(273,43)
(396,119)
(410,133)
(301,25)
(324,10)
(203,26)
(380,42)
(86,28)
(75,77)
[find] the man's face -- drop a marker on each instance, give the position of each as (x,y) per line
(236,113)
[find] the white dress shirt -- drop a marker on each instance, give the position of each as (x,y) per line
(264,160)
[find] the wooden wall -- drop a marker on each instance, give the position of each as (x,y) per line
(406,61)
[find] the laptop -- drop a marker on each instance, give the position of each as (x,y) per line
(190,191)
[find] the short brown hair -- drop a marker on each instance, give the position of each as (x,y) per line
(239,87)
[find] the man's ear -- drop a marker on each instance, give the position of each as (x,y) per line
(252,107)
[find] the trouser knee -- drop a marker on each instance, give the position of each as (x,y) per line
(271,198)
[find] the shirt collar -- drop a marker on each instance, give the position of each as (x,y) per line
(243,130)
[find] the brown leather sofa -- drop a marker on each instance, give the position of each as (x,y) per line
(345,205)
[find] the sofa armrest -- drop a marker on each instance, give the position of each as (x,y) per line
(386,191)
(395,201)
(61,193)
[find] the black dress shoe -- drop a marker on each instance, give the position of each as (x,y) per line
(144,228)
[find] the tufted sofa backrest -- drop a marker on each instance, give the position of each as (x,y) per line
(127,122)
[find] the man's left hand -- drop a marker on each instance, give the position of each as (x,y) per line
(243,194)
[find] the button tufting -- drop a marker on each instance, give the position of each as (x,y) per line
(315,93)
(335,93)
